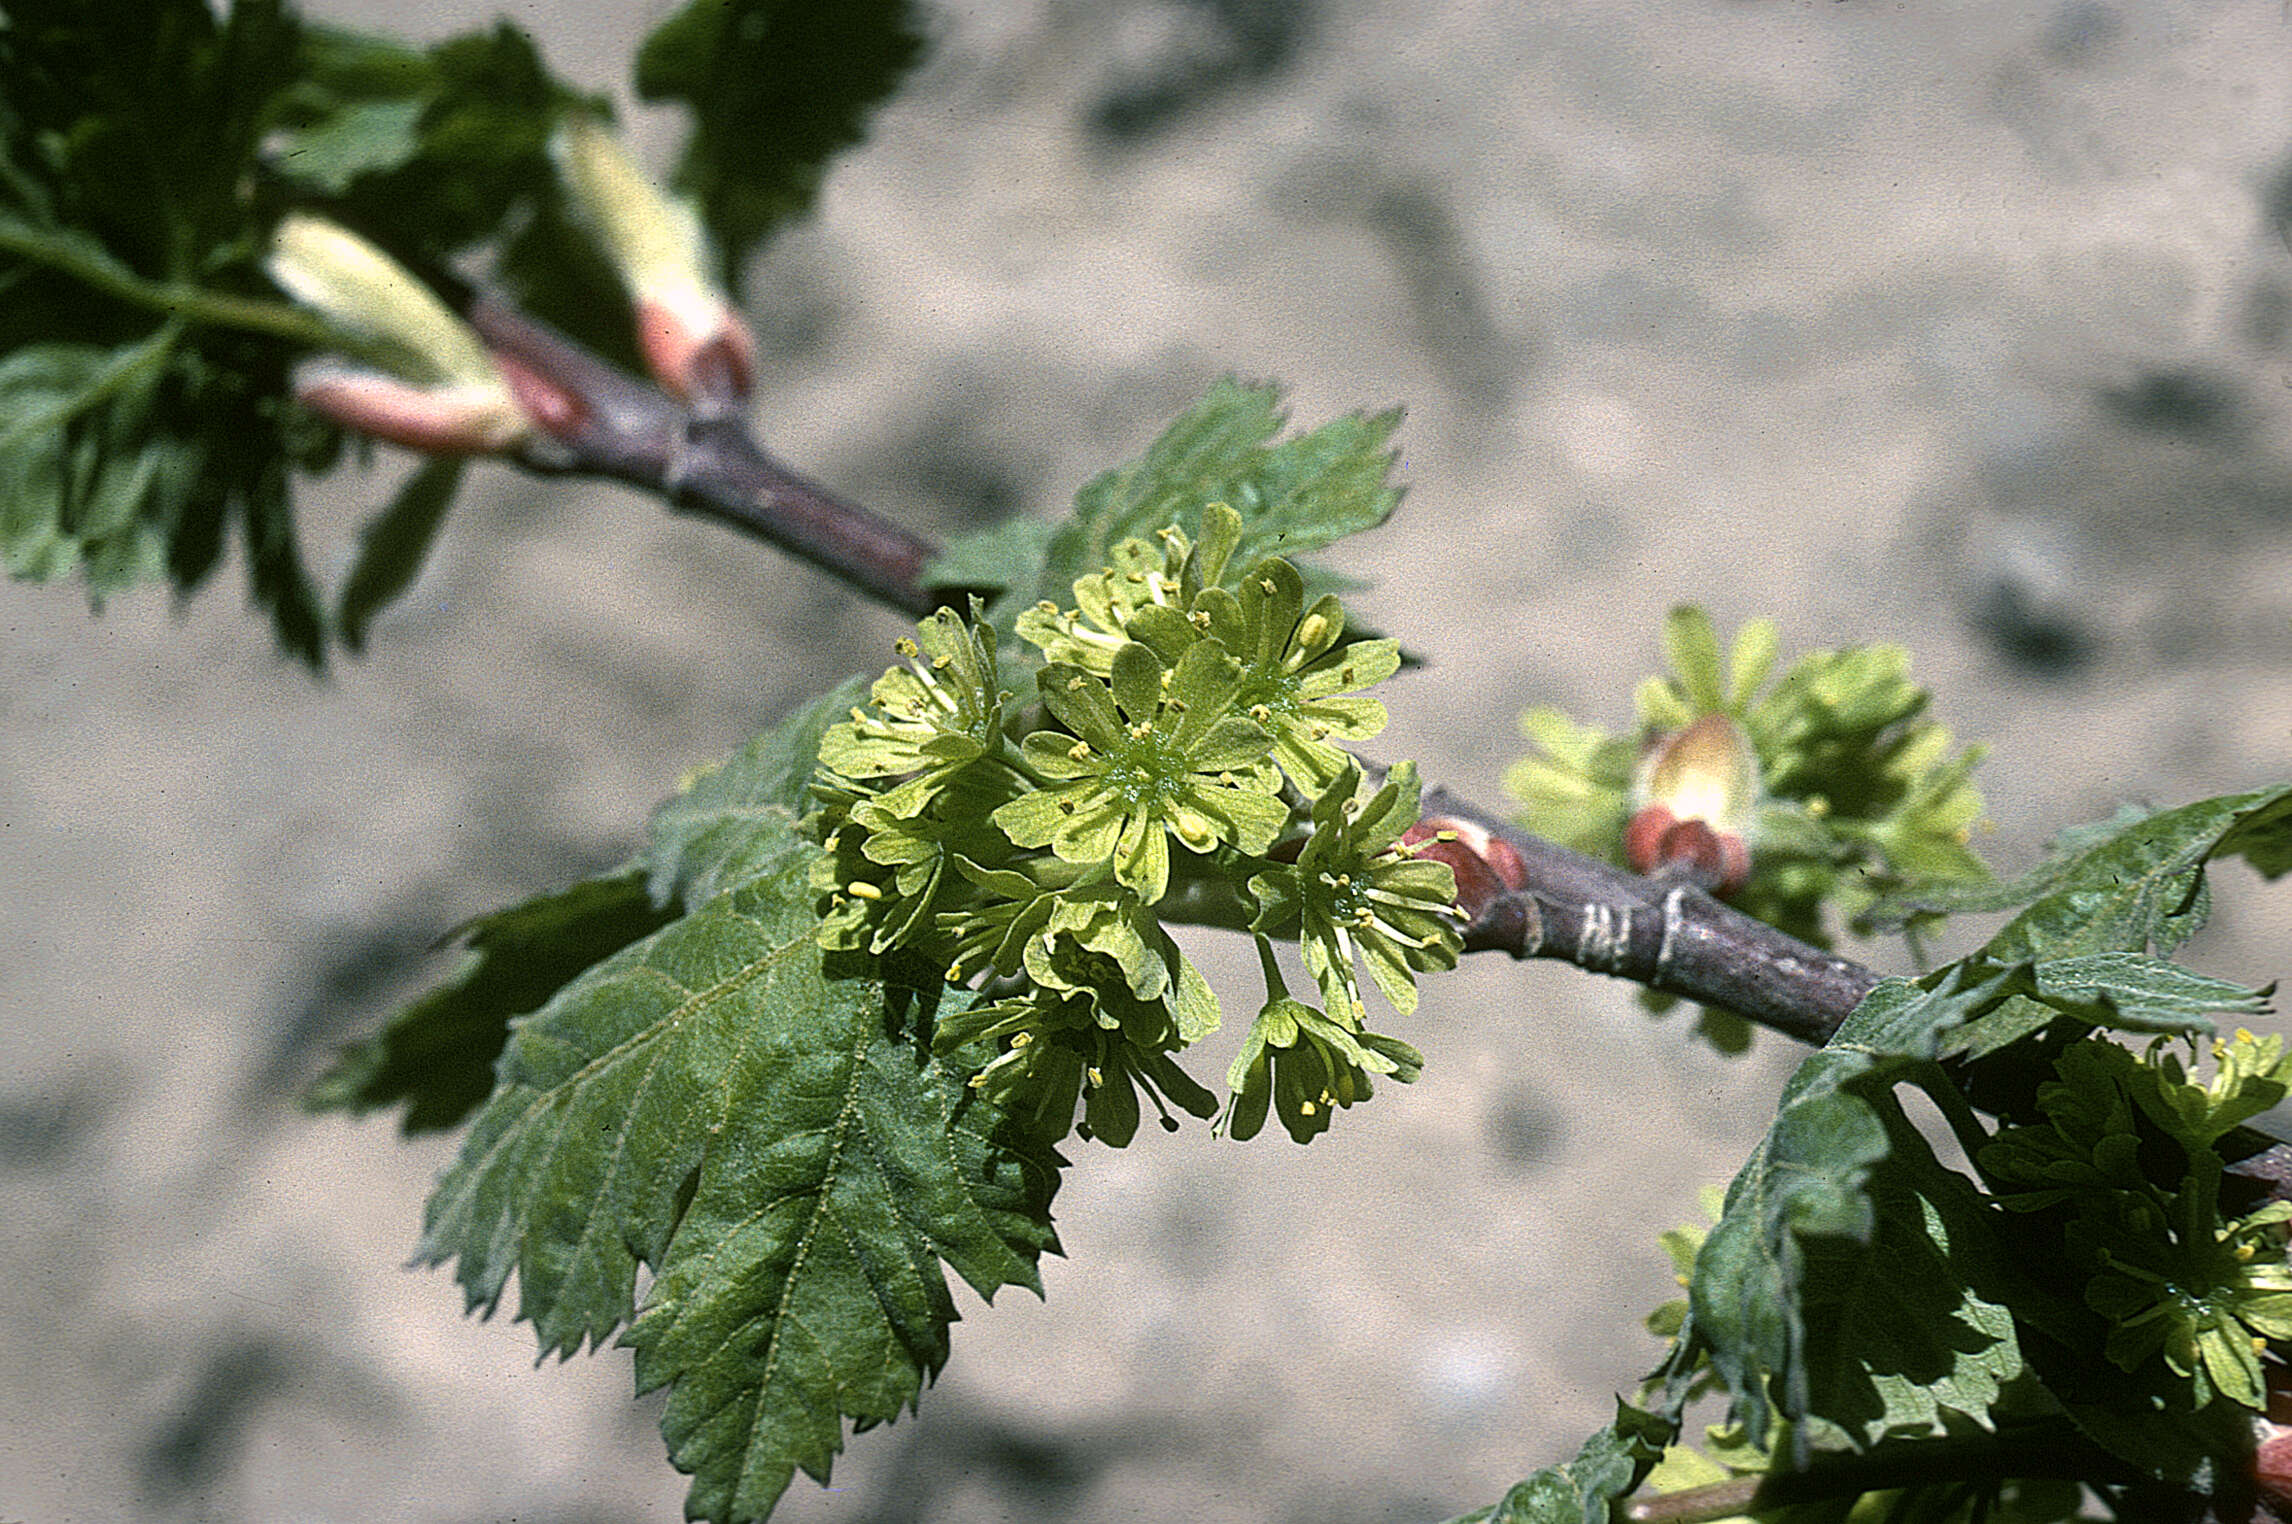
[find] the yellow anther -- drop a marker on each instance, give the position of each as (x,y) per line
(1199,619)
(1074,684)
(1078,751)
(941,663)
(1021,1040)
(861,889)
(1314,630)
(906,646)
(1096,1079)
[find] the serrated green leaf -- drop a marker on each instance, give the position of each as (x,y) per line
(2138,887)
(2134,992)
(1293,497)
(1809,1180)
(2130,885)
(1916,1323)
(1609,1467)
(770,1136)
(394,545)
(994,560)
(730,820)
(436,1056)
(776,89)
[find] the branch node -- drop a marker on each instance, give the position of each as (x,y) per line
(1604,938)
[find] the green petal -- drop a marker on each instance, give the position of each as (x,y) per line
(1359,665)
(1206,681)
(1163,630)
(1052,752)
(1111,1106)
(1353,719)
(1389,967)
(1081,703)
(1232,743)
(1277,900)
(1031,820)
(1252,819)
(1142,858)
(1272,598)
(1193,1002)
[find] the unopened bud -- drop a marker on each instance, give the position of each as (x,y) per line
(442,394)
(1695,797)
(694,343)
(436,420)
(1485,864)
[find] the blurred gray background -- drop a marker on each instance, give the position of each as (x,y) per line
(1967,325)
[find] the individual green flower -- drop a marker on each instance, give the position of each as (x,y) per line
(2209,1309)
(1304,1064)
(1149,752)
(933,717)
(1297,680)
(2174,1279)
(888,874)
(1355,893)
(1061,1048)
(1138,576)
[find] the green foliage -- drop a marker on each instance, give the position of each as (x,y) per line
(436,1056)
(1763,1296)
(1855,1291)
(776,88)
(2135,884)
(148,147)
(1293,497)
(761,1125)
(1608,1468)
(141,358)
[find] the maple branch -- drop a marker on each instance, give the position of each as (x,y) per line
(1665,933)
(705,463)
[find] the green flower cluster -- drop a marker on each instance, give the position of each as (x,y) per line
(1180,761)
(1848,796)
(2127,1160)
